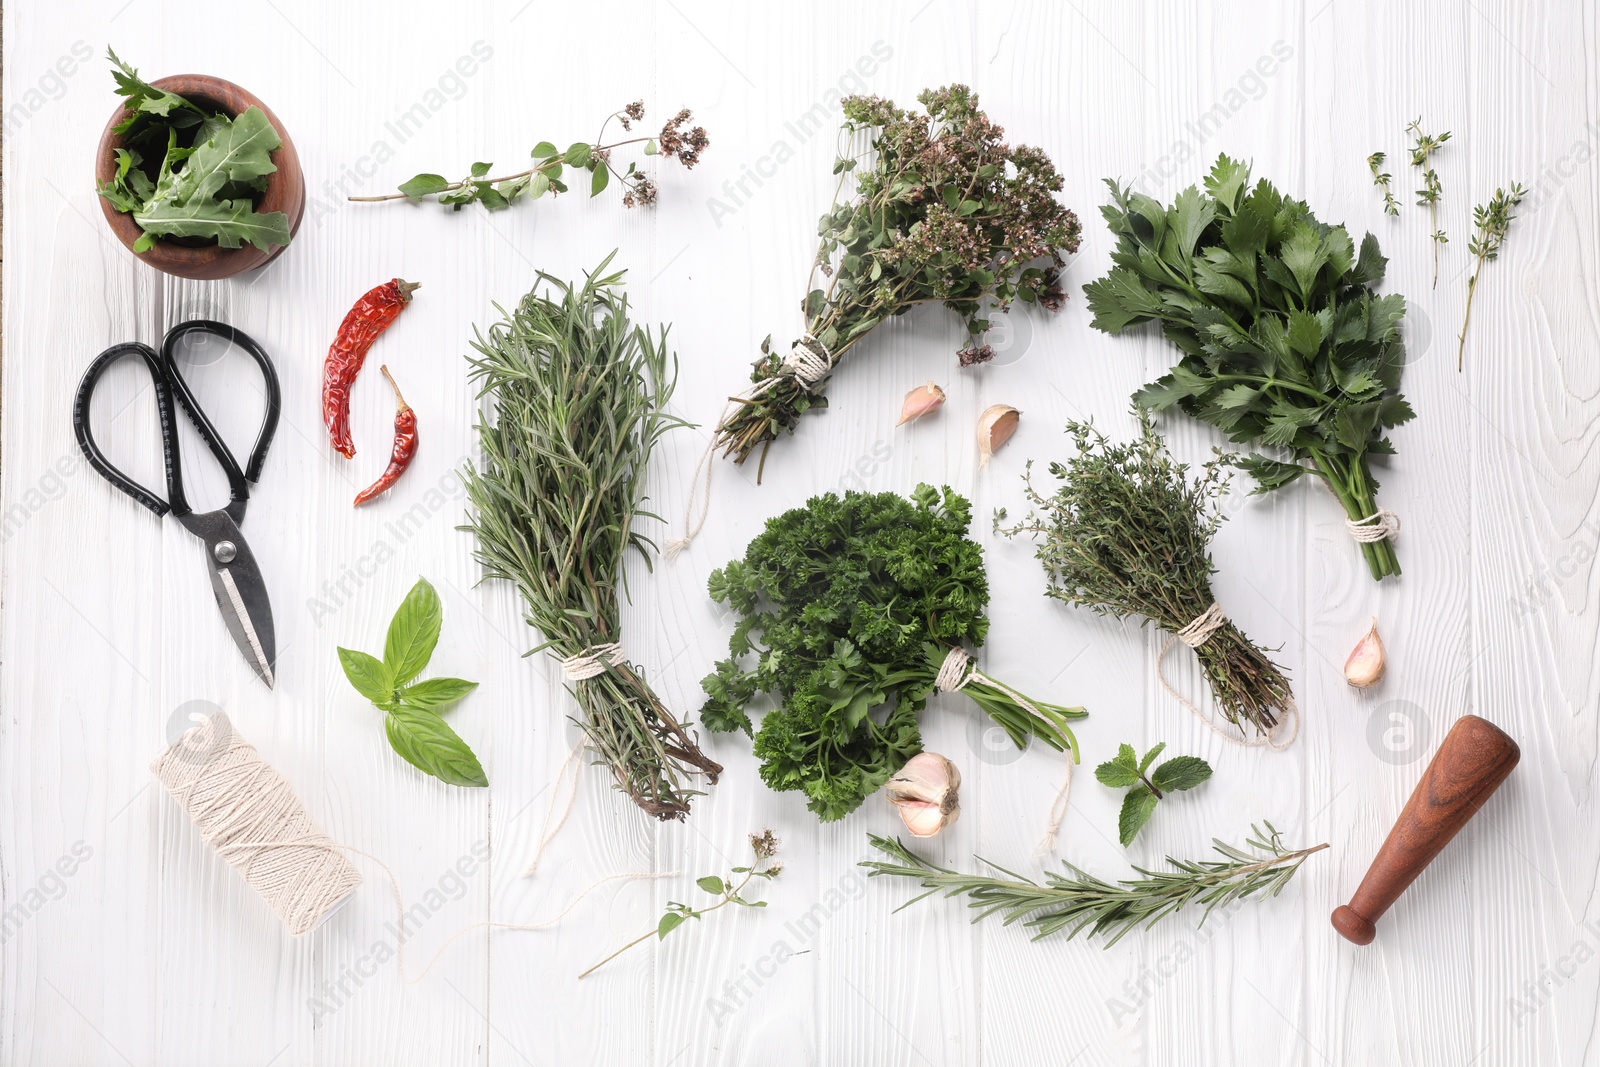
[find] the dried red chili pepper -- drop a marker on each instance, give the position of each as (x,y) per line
(370,316)
(405,445)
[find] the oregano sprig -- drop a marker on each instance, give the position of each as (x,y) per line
(546,175)
(1491,222)
(412,709)
(1381,180)
(764,845)
(1149,787)
(1422,149)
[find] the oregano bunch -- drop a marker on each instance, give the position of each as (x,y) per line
(1150,787)
(589,161)
(412,709)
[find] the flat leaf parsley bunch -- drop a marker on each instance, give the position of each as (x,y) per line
(946,212)
(849,609)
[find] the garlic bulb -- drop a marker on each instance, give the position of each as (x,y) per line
(925,792)
(1364,669)
(919,402)
(995,427)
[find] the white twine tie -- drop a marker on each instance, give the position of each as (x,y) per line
(1195,634)
(808,363)
(593,662)
(547,832)
(955,674)
(1381,525)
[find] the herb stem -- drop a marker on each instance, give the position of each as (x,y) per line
(553,161)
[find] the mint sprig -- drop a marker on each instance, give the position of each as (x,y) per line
(1127,769)
(412,708)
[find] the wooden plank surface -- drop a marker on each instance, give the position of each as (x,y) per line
(128,941)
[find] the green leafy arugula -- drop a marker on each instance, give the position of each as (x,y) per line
(413,708)
(1284,340)
(211,169)
(847,609)
(1127,769)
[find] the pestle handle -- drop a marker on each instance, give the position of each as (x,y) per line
(1474,759)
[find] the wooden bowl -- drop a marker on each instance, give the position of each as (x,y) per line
(286,187)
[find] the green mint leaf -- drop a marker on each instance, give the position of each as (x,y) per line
(436,694)
(711,884)
(413,633)
(1150,757)
(578,155)
(424,185)
(1116,775)
(1136,809)
(1181,772)
(427,743)
(1127,757)
(368,674)
(602,176)
(480,169)
(544,150)
(669,922)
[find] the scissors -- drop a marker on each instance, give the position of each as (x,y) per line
(235,577)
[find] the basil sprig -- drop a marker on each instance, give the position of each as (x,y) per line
(413,708)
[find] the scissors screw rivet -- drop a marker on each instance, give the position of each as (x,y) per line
(225,551)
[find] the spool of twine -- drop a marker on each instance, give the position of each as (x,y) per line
(247,812)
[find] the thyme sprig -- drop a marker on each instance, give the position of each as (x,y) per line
(1381,179)
(577,402)
(1078,900)
(1128,532)
(1491,222)
(1422,149)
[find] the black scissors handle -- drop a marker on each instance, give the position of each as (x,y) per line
(169,383)
(175,502)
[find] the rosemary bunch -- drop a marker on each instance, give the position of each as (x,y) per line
(1129,533)
(577,399)
(945,212)
(1079,900)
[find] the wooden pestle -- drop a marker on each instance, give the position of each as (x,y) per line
(1474,759)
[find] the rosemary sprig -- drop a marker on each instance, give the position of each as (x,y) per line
(1428,196)
(1381,179)
(577,401)
(1082,901)
(1492,221)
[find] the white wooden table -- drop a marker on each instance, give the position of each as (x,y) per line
(128,941)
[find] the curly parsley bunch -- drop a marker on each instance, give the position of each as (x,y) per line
(849,608)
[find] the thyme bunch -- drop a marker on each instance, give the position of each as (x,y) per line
(1422,149)
(1128,532)
(1078,900)
(945,211)
(1491,223)
(577,398)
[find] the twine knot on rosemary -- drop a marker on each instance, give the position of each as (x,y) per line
(1381,525)
(593,661)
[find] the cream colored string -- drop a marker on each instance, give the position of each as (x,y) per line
(808,362)
(1195,634)
(955,673)
(547,833)
(1381,525)
(247,812)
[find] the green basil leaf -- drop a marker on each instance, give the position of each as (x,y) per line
(436,694)
(370,677)
(413,633)
(424,185)
(427,743)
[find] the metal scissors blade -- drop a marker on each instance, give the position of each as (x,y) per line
(241,593)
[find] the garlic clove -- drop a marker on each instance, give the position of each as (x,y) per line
(927,793)
(995,427)
(1364,669)
(919,402)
